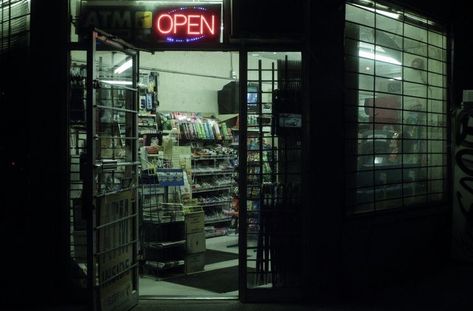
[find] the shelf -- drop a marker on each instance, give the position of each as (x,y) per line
(218,220)
(214,172)
(211,189)
(146,125)
(203,158)
(147,115)
(214,203)
(161,245)
(149,132)
(159,265)
(156,222)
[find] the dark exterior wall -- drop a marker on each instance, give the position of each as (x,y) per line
(33,256)
(324,217)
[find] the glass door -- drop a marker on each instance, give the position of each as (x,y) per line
(270,176)
(110,175)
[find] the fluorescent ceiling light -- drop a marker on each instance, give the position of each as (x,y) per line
(381,12)
(126,65)
(117,82)
(379,57)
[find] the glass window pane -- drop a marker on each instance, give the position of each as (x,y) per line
(360,81)
(435,39)
(436,79)
(415,89)
(359,15)
(415,132)
(415,61)
(352,47)
(389,70)
(360,64)
(415,47)
(435,119)
(436,159)
(389,40)
(388,85)
(359,32)
(437,93)
(436,146)
(388,24)
(388,55)
(436,66)
(437,106)
(437,172)
(415,32)
(437,133)
(437,53)
(414,117)
(415,75)
(414,103)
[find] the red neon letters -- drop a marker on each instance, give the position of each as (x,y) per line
(187,24)
(190,24)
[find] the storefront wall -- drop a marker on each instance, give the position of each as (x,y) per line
(342,253)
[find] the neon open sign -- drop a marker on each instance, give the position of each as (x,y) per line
(188,24)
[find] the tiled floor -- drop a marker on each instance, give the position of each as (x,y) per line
(149,286)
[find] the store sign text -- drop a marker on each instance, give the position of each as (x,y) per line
(188,24)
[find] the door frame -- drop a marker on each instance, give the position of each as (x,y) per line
(91,202)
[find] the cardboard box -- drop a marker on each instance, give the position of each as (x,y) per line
(195,262)
(196,243)
(194,222)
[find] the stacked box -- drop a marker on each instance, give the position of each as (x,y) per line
(195,241)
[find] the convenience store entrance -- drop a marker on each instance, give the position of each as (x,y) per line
(218,183)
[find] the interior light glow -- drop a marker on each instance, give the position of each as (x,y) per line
(381,12)
(117,82)
(126,65)
(379,57)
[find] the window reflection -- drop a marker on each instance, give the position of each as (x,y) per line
(396,79)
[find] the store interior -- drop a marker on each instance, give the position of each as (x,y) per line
(182,126)
(188,198)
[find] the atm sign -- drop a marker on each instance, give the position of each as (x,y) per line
(188,24)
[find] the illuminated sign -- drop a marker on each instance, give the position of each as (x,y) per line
(188,24)
(150,25)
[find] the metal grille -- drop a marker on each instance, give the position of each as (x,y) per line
(273,169)
(14,24)
(77,145)
(396,108)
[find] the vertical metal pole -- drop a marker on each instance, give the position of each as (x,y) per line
(134,150)
(242,172)
(89,183)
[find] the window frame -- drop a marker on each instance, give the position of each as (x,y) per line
(352,129)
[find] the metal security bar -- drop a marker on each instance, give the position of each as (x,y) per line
(396,108)
(14,24)
(110,173)
(273,170)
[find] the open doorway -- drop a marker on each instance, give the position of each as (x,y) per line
(194,142)
(188,190)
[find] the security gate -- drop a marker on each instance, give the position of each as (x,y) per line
(271,172)
(110,174)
